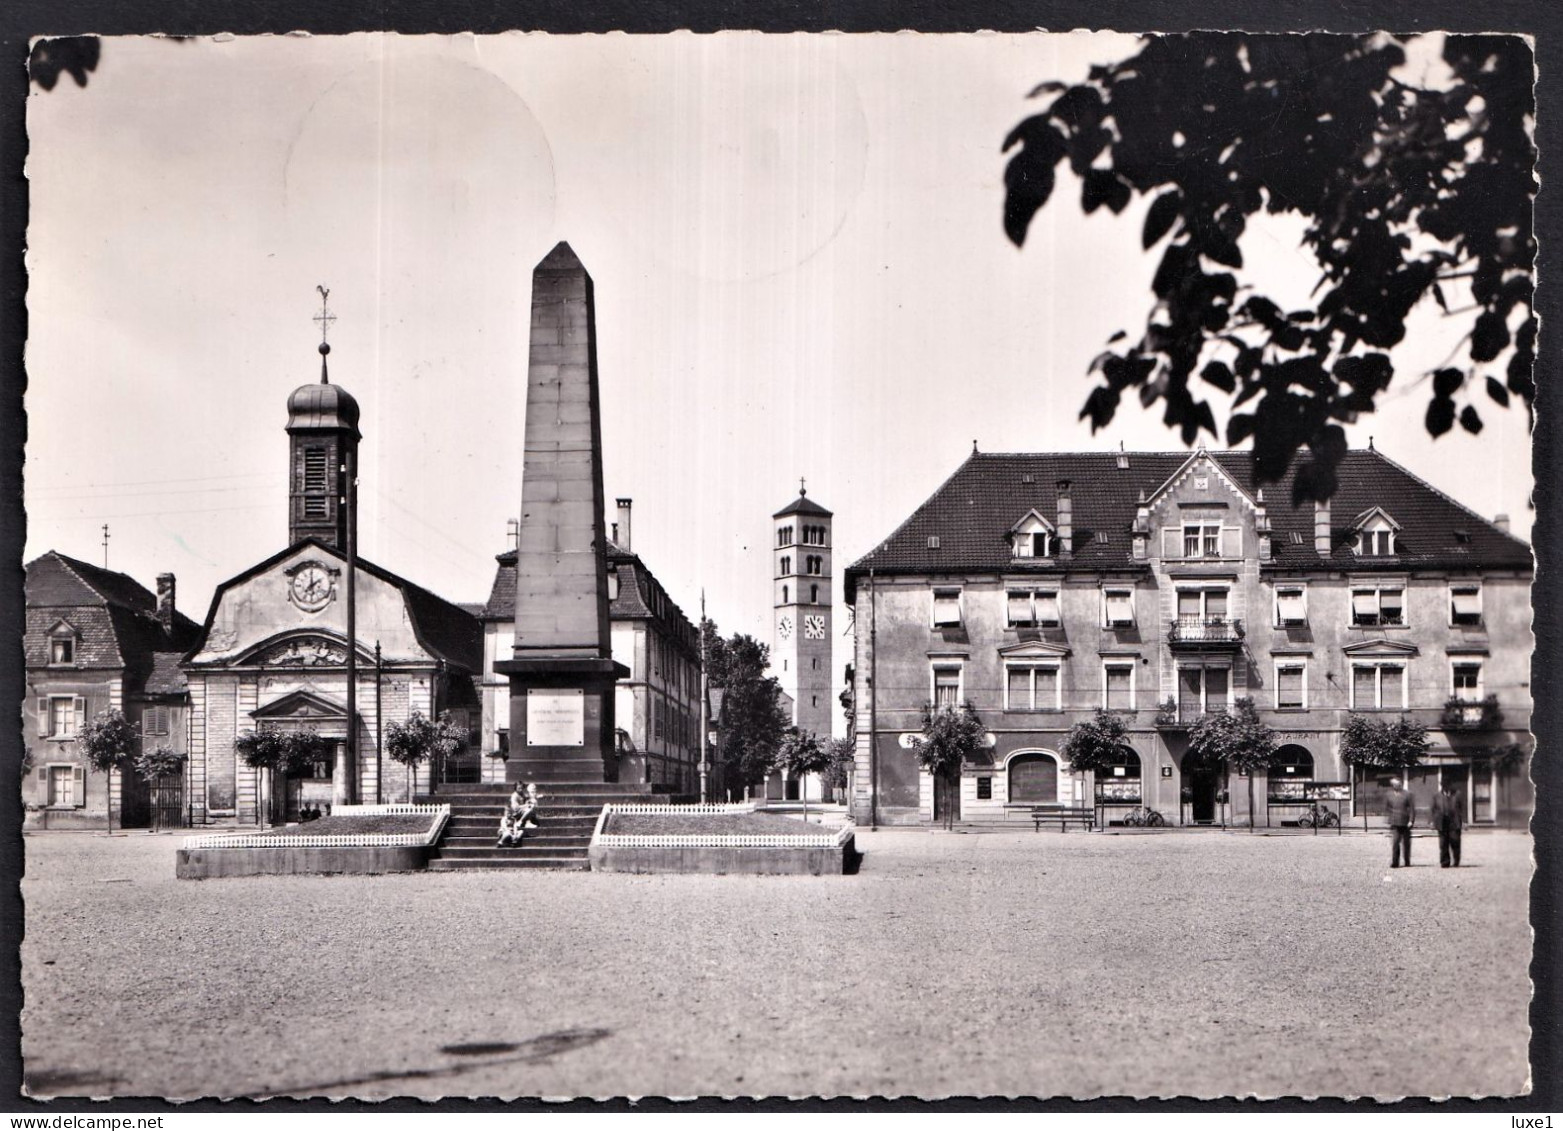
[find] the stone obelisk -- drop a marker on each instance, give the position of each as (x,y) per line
(562,673)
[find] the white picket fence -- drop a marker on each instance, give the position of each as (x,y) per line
(821,839)
(440,814)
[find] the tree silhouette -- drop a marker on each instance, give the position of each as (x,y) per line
(1408,193)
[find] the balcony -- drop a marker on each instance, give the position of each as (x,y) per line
(1205,633)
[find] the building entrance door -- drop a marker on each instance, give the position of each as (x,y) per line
(946,798)
(1204,783)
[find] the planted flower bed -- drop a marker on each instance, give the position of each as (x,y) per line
(714,838)
(354,839)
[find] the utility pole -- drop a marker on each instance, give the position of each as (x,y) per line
(379,762)
(873,714)
(105,545)
(705,721)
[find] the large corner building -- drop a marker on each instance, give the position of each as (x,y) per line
(1041,587)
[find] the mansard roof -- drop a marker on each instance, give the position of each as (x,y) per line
(114,617)
(970,515)
(445,629)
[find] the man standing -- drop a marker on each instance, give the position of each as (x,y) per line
(1448,819)
(1399,811)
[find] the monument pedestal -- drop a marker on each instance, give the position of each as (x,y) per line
(562,725)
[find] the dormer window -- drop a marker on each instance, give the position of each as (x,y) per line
(1375,534)
(613,583)
(62,644)
(1032,537)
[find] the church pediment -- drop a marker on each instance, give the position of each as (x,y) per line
(302,705)
(1369,648)
(303,650)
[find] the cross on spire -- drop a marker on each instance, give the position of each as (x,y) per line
(325,318)
(802,488)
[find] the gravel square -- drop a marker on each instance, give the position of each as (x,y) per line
(1006,963)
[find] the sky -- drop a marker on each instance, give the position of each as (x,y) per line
(799,265)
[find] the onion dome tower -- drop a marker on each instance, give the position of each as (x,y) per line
(323,444)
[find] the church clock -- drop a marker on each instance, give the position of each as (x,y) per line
(785,628)
(814,627)
(312,588)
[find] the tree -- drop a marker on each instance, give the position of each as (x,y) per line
(843,757)
(279,752)
(1096,745)
(1368,743)
(1236,739)
(108,742)
(1408,193)
(420,738)
(158,762)
(951,737)
(752,720)
(801,753)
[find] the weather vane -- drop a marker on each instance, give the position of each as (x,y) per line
(325,317)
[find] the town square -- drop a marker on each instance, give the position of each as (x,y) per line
(620,566)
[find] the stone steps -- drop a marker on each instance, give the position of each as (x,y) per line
(567,814)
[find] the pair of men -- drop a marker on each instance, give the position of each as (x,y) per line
(520,814)
(1448,820)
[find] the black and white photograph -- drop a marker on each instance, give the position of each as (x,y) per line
(742,564)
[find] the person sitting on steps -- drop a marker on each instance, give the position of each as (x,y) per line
(520,812)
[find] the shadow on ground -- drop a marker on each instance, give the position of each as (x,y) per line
(478,1054)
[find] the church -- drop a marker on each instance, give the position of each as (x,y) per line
(274,649)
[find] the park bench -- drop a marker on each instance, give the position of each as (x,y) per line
(1064,815)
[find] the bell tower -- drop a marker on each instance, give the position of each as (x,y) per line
(322,451)
(801,631)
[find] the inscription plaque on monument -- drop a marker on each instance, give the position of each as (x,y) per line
(555,717)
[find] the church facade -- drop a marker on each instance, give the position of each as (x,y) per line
(273,650)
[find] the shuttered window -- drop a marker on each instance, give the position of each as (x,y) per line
(1118,680)
(1467,681)
(1031,687)
(1047,609)
(1020,611)
(1119,606)
(946,607)
(1289,607)
(946,686)
(1380,606)
(1289,686)
(1465,604)
(154,720)
(1378,687)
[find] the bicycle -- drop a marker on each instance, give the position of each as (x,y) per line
(1142,817)
(1320,817)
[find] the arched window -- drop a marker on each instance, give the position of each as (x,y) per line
(1033,779)
(1119,780)
(786,564)
(813,594)
(784,595)
(1294,762)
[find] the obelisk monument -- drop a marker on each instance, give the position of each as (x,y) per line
(562,673)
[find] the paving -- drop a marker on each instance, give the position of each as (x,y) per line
(1024,963)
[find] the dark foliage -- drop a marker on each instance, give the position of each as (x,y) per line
(752,721)
(1409,194)
(74,55)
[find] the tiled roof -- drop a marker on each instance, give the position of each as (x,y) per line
(115,617)
(448,631)
(802,505)
(634,578)
(971,514)
(166,677)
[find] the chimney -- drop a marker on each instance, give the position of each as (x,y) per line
(1501,521)
(1066,525)
(1322,543)
(623,525)
(165,600)
(613,533)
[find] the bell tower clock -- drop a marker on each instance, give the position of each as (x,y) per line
(801,636)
